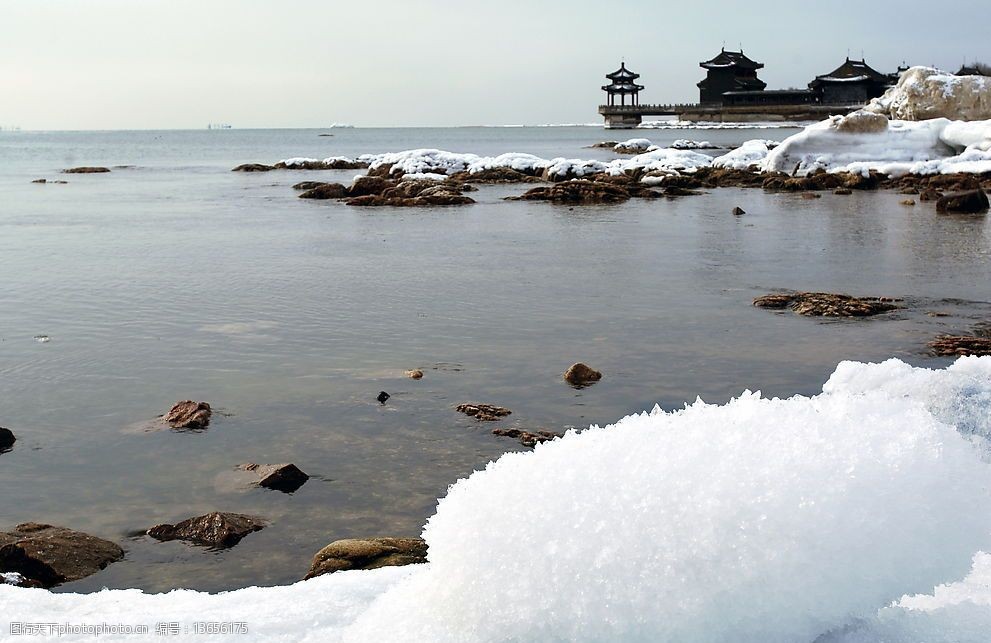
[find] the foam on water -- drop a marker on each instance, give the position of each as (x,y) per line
(803,519)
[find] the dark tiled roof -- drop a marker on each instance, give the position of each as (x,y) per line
(851,71)
(622,75)
(731,59)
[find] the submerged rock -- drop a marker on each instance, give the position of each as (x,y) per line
(580,191)
(495,175)
(86,170)
(738,211)
(217,529)
(580,374)
(367,553)
(51,555)
(286,478)
(824,304)
(948,345)
(7,439)
(189,415)
(253,167)
(843,191)
(414,374)
(326,164)
(483,412)
(383,397)
(527,438)
(907,202)
(324,191)
(308,185)
(971,202)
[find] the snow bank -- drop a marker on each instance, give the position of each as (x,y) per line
(634,146)
(688,144)
(926,92)
(856,144)
(750,155)
(758,520)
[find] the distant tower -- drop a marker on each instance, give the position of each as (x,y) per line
(623,84)
(729,71)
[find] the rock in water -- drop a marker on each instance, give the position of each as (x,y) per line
(576,191)
(824,304)
(189,415)
(281,477)
(370,553)
(414,374)
(949,345)
(483,412)
(217,529)
(527,438)
(86,170)
(324,191)
(580,374)
(970,202)
(51,555)
(383,397)
(253,167)
(7,439)
(737,211)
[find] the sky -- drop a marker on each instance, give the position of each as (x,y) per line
(148,64)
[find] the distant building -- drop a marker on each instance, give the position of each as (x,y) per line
(729,71)
(852,82)
(970,71)
(623,84)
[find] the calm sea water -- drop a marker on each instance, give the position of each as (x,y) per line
(175,278)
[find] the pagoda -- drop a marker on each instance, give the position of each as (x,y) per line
(851,83)
(729,71)
(623,84)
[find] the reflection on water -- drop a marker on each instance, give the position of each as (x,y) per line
(178,279)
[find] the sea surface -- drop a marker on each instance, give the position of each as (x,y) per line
(172,278)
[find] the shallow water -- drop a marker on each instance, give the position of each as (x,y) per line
(176,278)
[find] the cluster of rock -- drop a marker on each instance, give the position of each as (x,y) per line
(483,412)
(58,182)
(527,438)
(957,345)
(86,170)
(823,304)
(379,191)
(327,164)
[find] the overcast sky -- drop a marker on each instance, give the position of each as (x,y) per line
(120,64)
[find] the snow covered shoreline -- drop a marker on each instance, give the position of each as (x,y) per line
(826,518)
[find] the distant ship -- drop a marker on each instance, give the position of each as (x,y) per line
(218,126)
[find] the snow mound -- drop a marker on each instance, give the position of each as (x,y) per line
(633,146)
(764,520)
(750,155)
(688,144)
(926,92)
(861,142)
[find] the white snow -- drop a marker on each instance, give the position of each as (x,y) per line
(825,518)
(688,144)
(926,92)
(634,145)
(935,146)
(750,155)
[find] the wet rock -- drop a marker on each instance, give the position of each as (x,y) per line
(414,374)
(189,415)
(7,439)
(822,304)
(909,190)
(722,177)
(441,195)
(308,185)
(808,196)
(217,529)
(253,167)
(960,345)
(330,164)
(367,553)
(286,478)
(930,195)
(907,202)
(383,397)
(40,181)
(368,185)
(495,175)
(971,202)
(579,191)
(580,374)
(675,191)
(483,412)
(49,555)
(605,144)
(527,438)
(325,191)
(86,170)
(737,211)
(843,191)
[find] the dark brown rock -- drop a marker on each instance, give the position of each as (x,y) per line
(86,170)
(368,185)
(332,164)
(811,195)
(414,374)
(961,345)
(823,304)
(253,167)
(7,439)
(737,211)
(40,181)
(579,374)
(51,555)
(325,191)
(367,553)
(217,529)
(843,191)
(581,191)
(383,397)
(286,478)
(930,194)
(907,202)
(496,175)
(970,202)
(308,185)
(675,191)
(527,438)
(483,412)
(189,415)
